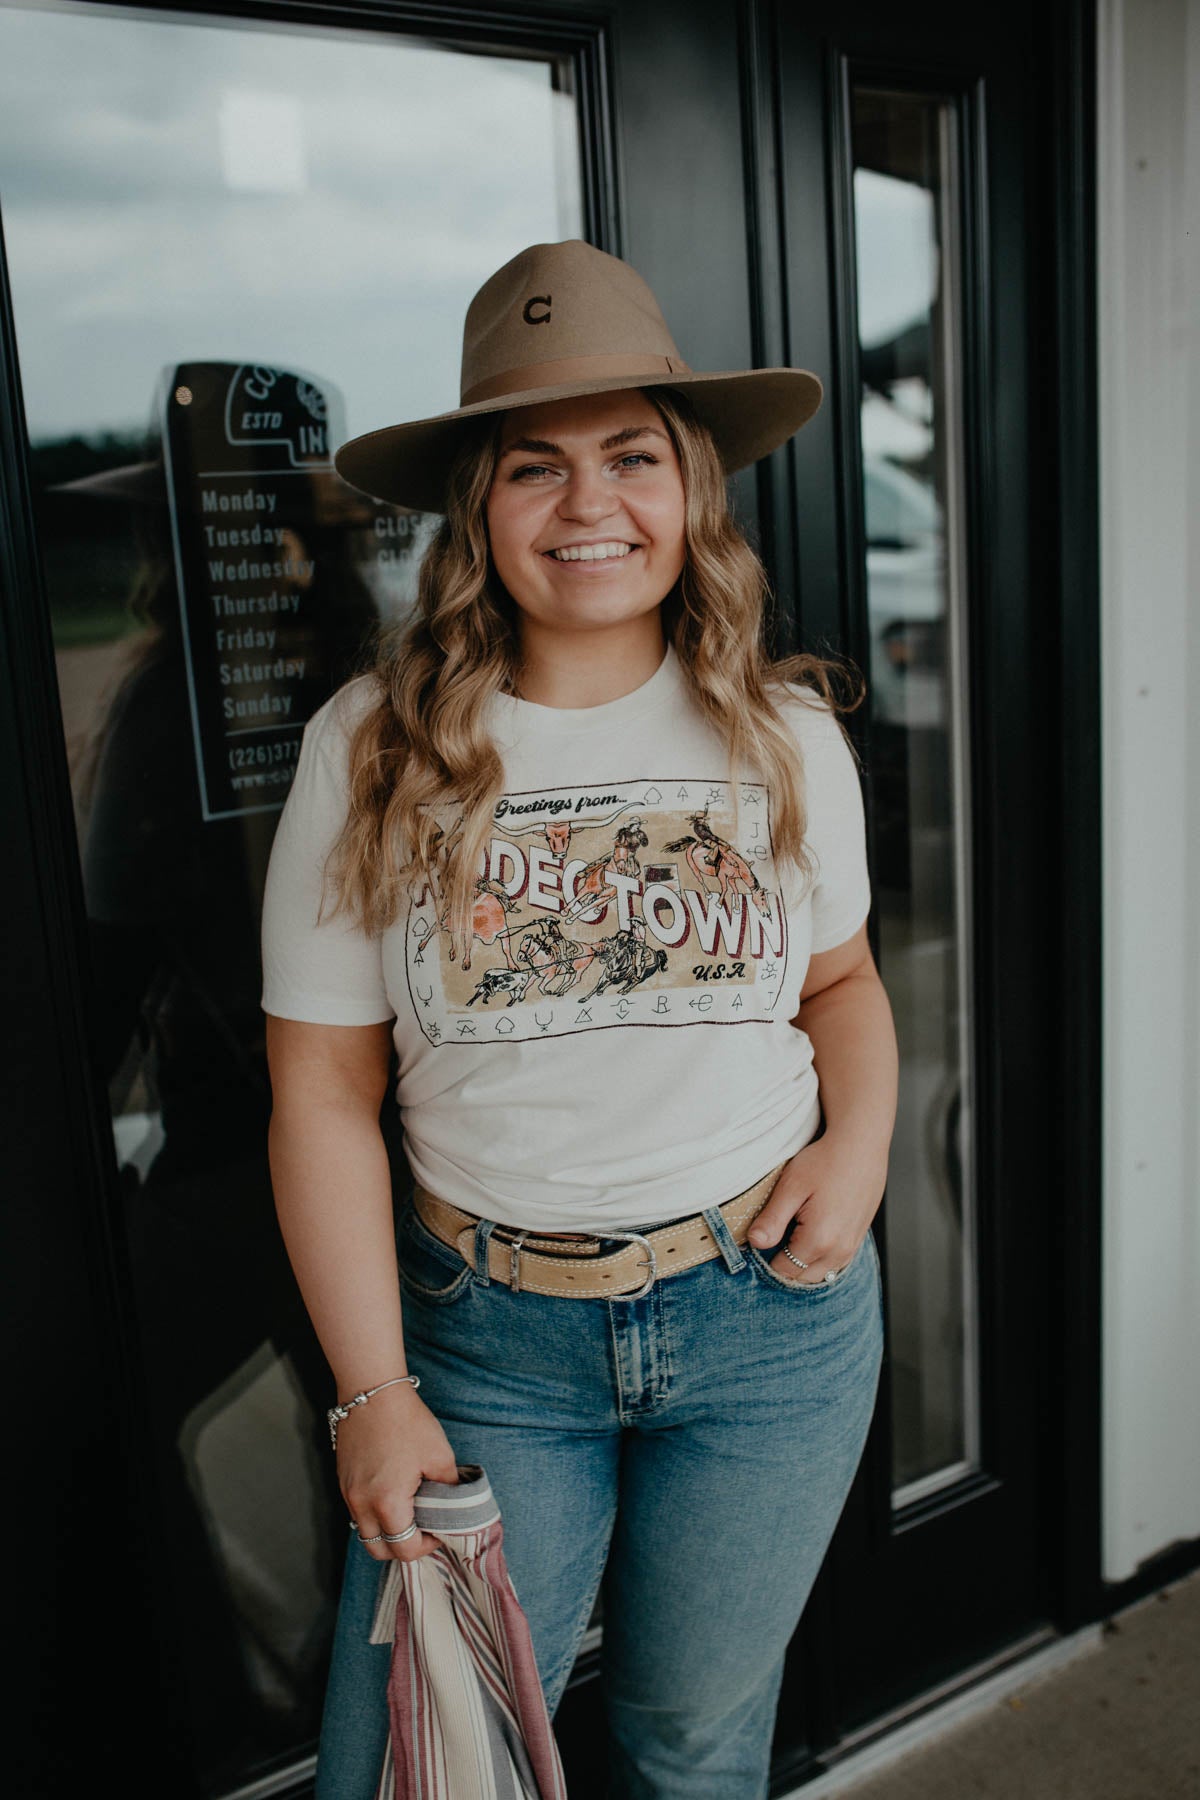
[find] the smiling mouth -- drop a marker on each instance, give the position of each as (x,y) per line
(591,553)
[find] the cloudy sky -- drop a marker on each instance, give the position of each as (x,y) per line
(896,243)
(236,192)
(229,190)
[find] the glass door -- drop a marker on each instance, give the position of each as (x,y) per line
(232,241)
(231,244)
(908,268)
(919,550)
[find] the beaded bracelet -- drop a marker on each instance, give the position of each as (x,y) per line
(336,1414)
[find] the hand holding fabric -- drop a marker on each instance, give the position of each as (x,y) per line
(385,1450)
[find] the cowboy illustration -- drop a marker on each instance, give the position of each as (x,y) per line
(593,888)
(709,855)
(626,960)
(557,962)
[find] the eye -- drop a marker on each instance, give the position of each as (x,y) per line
(529,469)
(639,456)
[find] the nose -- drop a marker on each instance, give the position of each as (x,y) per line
(587,497)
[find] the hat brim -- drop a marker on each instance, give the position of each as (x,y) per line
(137,484)
(750,412)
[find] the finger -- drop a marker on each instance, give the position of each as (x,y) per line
(422,1543)
(370,1535)
(777,1214)
(818,1263)
(789,1270)
(409,1548)
(809,1276)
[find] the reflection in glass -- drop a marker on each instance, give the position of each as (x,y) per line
(905,206)
(231,245)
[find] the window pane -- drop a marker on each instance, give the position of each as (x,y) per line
(905,206)
(232,245)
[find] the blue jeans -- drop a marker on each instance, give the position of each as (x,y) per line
(694,1448)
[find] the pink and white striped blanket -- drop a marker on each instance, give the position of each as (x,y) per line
(468,1718)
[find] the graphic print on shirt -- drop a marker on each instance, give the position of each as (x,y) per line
(651,902)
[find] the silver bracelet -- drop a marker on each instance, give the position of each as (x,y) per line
(336,1414)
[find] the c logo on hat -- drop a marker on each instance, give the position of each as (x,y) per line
(532,318)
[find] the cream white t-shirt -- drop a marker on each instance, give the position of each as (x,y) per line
(614,1046)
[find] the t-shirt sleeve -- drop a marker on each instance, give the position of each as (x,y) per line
(329,973)
(836,834)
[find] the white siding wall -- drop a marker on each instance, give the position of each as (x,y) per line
(1149,319)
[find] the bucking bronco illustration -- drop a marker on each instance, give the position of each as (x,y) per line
(710,855)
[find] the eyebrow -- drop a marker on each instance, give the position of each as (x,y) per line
(543,446)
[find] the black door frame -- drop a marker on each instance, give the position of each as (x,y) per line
(69,1297)
(828,584)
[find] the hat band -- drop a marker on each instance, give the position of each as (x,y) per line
(569,369)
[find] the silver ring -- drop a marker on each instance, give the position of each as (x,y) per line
(378,1539)
(398,1537)
(791,1258)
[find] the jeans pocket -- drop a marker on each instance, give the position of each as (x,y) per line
(760,1263)
(429,1270)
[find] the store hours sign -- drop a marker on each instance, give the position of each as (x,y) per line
(248,453)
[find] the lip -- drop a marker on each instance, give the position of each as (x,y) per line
(591,567)
(591,571)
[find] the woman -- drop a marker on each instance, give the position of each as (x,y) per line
(580,855)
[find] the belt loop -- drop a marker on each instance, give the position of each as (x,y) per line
(483,1232)
(714,1218)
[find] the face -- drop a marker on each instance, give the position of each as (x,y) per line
(597,475)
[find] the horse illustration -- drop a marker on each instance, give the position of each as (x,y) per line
(557,962)
(626,960)
(707,854)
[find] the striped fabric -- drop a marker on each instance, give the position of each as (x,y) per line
(468,1718)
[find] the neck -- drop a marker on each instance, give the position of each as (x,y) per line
(589,668)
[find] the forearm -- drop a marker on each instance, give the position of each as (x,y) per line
(853,1036)
(333,1195)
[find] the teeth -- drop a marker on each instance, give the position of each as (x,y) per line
(590,552)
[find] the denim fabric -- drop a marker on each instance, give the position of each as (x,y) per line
(694,1448)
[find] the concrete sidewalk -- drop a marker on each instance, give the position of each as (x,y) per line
(1119,1721)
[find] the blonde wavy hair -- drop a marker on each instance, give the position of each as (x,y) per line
(424,743)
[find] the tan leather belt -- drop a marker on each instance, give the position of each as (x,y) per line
(523,1259)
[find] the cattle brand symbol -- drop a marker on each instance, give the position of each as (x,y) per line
(620,891)
(537,318)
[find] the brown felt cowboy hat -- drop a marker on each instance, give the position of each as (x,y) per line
(557,321)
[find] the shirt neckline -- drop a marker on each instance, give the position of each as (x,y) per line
(527,716)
